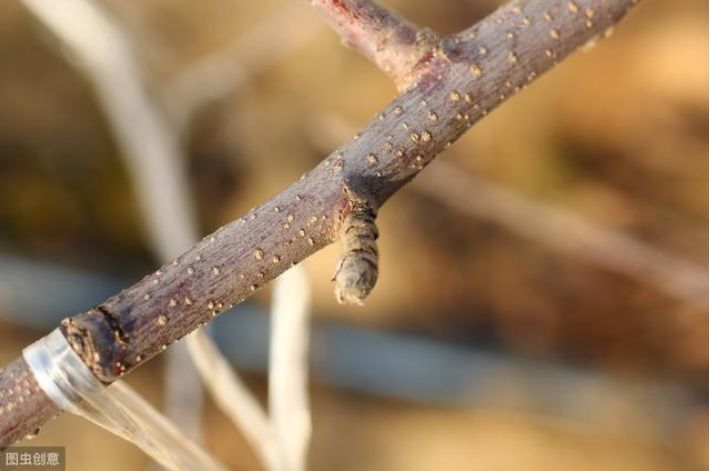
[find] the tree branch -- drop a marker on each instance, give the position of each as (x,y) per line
(521,40)
(566,232)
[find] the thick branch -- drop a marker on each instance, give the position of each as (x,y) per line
(479,69)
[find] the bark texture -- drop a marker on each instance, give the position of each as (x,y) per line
(24,407)
(466,76)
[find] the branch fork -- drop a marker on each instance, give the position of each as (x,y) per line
(442,98)
(401,49)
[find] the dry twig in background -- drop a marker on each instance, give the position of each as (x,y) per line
(216,75)
(565,231)
(558,228)
(102,53)
(152,153)
(288,367)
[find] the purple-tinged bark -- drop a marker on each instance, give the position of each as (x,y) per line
(470,74)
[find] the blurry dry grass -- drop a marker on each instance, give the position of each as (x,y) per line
(618,134)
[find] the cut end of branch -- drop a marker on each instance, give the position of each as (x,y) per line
(357,269)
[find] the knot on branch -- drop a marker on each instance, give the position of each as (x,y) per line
(357,269)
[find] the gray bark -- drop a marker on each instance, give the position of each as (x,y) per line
(466,76)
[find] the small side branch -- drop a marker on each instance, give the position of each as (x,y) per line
(399,48)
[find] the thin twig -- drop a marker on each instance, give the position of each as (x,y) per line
(218,74)
(565,231)
(100,51)
(288,366)
(235,400)
(210,79)
(229,265)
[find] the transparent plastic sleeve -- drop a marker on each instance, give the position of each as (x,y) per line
(117,408)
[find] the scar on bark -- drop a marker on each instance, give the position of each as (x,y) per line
(356,271)
(98,338)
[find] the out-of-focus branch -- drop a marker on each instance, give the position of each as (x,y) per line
(154,174)
(151,151)
(234,399)
(288,366)
(218,74)
(281,439)
(229,265)
(101,53)
(399,48)
(565,231)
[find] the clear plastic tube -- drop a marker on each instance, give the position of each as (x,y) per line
(117,408)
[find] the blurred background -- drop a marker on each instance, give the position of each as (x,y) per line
(557,320)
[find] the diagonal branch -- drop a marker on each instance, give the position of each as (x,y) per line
(479,69)
(566,232)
